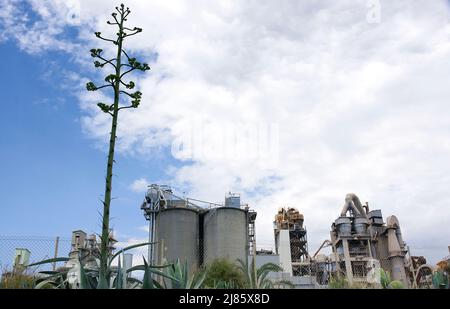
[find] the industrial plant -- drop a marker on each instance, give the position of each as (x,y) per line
(195,231)
(363,249)
(362,243)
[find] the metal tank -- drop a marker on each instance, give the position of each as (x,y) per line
(361,225)
(344,226)
(225,234)
(177,234)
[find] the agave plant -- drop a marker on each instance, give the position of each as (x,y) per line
(256,278)
(180,277)
(388,283)
(225,285)
(89,278)
(150,271)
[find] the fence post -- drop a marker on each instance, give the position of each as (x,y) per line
(56,251)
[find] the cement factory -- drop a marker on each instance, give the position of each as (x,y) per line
(361,245)
(195,231)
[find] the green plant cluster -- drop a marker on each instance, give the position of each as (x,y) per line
(388,283)
(440,279)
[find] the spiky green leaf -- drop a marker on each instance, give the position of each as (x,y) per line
(48,261)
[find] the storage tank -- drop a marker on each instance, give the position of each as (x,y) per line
(344,226)
(225,234)
(361,225)
(177,234)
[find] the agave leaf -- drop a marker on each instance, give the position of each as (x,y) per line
(186,275)
(134,280)
(148,280)
(142,267)
(56,274)
(64,284)
(119,277)
(286,283)
(199,281)
(54,260)
(102,283)
(42,284)
(84,281)
(189,282)
(93,281)
(129,248)
(49,272)
(158,285)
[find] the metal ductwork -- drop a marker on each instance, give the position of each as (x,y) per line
(352,202)
(396,256)
(394,244)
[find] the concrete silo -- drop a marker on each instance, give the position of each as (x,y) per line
(225,234)
(177,234)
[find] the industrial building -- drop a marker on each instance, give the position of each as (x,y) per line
(361,242)
(197,232)
(291,241)
(86,249)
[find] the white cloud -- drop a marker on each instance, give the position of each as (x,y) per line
(139,185)
(42,32)
(360,107)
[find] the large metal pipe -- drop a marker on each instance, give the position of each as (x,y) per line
(396,257)
(352,202)
(394,245)
(326,243)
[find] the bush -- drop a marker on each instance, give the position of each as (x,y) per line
(338,282)
(222,273)
(396,285)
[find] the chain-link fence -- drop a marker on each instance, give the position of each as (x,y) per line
(31,249)
(322,271)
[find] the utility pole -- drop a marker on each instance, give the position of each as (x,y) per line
(56,251)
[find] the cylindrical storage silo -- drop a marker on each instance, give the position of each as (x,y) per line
(361,225)
(225,234)
(177,234)
(344,226)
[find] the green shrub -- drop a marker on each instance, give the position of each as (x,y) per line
(440,280)
(338,282)
(223,274)
(396,285)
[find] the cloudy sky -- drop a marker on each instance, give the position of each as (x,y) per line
(290,103)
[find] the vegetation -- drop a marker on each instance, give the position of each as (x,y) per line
(122,65)
(223,274)
(179,277)
(440,279)
(17,279)
(257,278)
(90,278)
(338,282)
(388,283)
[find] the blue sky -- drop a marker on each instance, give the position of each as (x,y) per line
(52,173)
(356,96)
